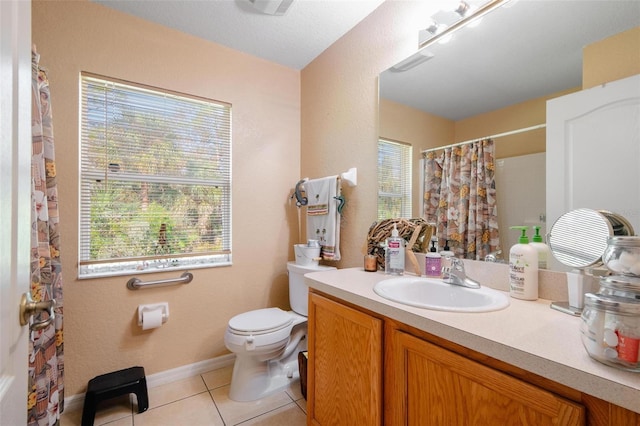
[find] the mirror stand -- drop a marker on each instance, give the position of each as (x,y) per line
(564,307)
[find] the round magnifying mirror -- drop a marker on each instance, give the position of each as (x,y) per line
(579,238)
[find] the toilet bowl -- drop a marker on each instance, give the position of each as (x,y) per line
(266,341)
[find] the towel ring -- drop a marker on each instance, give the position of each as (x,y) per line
(301,200)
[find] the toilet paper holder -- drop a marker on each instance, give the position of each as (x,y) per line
(152,307)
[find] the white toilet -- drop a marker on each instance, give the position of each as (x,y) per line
(267,341)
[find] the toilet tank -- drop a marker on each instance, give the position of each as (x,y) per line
(298,290)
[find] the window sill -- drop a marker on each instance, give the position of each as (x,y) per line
(118,270)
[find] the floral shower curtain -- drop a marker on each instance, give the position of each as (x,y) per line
(460,197)
(46,361)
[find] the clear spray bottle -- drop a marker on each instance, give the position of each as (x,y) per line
(394,255)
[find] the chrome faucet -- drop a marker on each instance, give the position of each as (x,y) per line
(455,274)
(494,257)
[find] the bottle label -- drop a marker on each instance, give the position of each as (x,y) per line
(516,273)
(542,260)
(433,266)
(522,280)
(395,257)
(628,347)
(396,260)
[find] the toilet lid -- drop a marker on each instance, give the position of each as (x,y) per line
(260,321)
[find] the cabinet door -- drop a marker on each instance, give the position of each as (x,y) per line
(345,365)
(429,385)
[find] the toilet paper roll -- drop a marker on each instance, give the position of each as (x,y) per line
(151,318)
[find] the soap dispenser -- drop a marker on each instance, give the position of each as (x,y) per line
(394,255)
(446,251)
(523,268)
(446,254)
(433,261)
(541,247)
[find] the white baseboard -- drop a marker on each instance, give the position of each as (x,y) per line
(76,402)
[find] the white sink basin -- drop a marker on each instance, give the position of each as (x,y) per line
(435,294)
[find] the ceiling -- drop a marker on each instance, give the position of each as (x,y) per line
(523,50)
(294,39)
(542,40)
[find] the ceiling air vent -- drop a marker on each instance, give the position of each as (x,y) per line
(271,7)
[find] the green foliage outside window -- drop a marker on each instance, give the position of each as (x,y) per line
(155,174)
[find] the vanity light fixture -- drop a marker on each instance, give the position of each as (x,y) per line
(463,9)
(271,7)
(434,28)
(466,15)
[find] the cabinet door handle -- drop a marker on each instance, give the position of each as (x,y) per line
(29,307)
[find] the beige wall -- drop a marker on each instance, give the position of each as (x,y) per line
(406,124)
(100,328)
(340,111)
(623,50)
(525,114)
(422,130)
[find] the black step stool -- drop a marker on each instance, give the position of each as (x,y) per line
(111,385)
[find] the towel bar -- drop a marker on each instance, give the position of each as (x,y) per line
(350,176)
(135,283)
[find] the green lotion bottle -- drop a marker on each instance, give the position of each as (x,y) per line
(523,268)
(541,248)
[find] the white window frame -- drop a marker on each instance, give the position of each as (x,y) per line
(401,172)
(93,172)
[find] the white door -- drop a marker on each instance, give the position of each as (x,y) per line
(593,151)
(15,202)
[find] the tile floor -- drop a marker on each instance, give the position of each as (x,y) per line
(199,400)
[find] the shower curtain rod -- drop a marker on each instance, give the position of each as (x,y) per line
(499,135)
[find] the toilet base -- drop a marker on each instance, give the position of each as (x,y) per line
(252,380)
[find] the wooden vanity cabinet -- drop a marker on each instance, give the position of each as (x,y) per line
(425,380)
(428,385)
(344,371)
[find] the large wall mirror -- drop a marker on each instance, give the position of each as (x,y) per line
(495,78)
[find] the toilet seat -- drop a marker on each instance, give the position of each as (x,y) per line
(260,321)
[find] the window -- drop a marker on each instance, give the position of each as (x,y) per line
(155,180)
(394,180)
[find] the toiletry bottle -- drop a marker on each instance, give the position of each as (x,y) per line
(446,254)
(394,255)
(433,261)
(541,247)
(446,251)
(523,268)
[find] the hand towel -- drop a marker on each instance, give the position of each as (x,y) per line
(323,219)
(318,193)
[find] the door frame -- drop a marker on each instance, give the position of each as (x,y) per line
(15,204)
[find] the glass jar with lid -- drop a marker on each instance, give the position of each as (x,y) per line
(622,255)
(610,330)
(620,285)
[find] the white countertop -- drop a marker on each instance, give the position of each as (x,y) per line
(528,334)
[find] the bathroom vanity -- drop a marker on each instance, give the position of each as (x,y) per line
(373,361)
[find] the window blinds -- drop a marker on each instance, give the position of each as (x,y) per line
(394,179)
(155,177)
